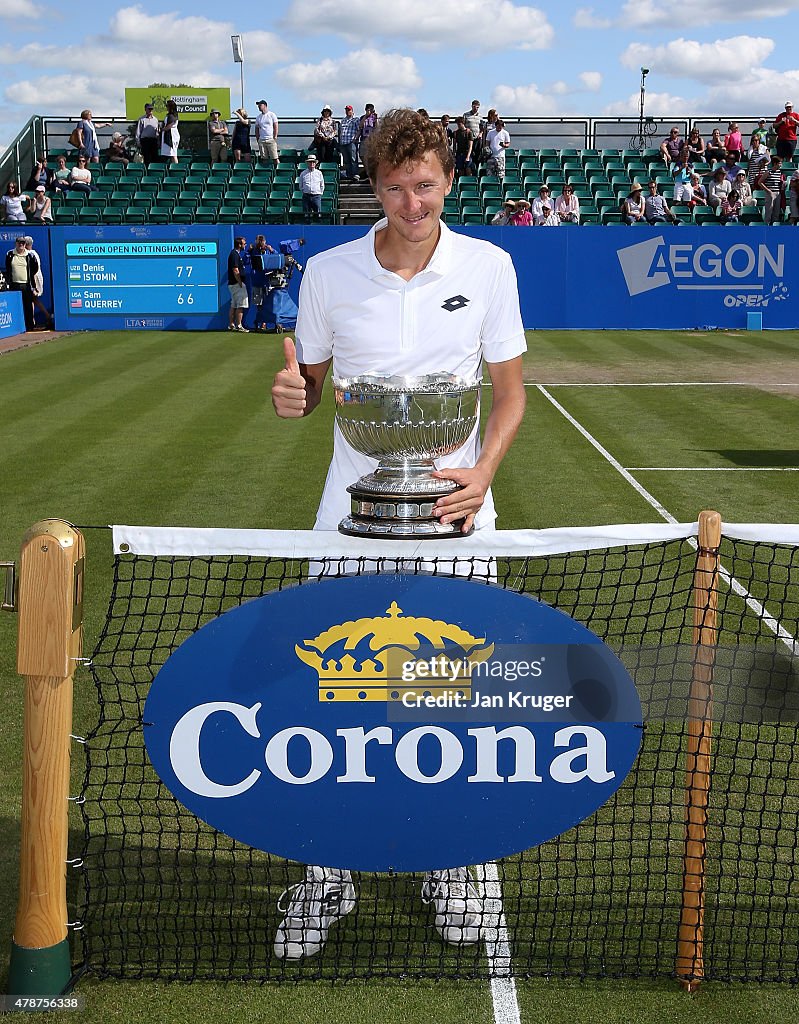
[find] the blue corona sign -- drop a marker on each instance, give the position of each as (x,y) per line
(406,723)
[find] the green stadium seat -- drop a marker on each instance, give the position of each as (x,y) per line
(112,215)
(136,215)
(751,215)
(65,215)
(89,215)
(229,213)
(611,217)
(704,216)
(160,215)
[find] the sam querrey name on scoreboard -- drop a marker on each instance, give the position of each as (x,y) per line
(449,676)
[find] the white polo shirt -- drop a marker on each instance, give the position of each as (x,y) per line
(265,125)
(462,308)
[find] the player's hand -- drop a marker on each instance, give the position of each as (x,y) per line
(465,502)
(288,389)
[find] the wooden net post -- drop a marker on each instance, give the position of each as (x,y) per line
(50,636)
(690,967)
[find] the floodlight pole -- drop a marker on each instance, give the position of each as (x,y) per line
(238,57)
(641,104)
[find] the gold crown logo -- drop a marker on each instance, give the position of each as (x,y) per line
(363,659)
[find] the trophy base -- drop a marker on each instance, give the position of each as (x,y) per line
(397,517)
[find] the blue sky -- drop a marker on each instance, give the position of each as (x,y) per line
(733,57)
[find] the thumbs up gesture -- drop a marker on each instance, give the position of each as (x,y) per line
(288,389)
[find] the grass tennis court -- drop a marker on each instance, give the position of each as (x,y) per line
(177,429)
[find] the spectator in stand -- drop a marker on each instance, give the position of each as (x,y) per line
(744,189)
(698,192)
(41,175)
(88,145)
(486,124)
(170,137)
(670,147)
(567,206)
(695,146)
(40,207)
(147,128)
(267,129)
(785,125)
(450,132)
(325,136)
(116,150)
(464,144)
(682,172)
(731,167)
(472,121)
(538,204)
(549,219)
(632,209)
(21,270)
(521,217)
(715,148)
(423,112)
(368,122)
(11,202)
(757,158)
(719,187)
(312,186)
(793,198)
(504,216)
(656,209)
(240,142)
(730,208)
(218,137)
(761,132)
(772,181)
(733,142)
(80,177)
(349,133)
(498,140)
(61,177)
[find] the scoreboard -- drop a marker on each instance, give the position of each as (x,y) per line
(134,278)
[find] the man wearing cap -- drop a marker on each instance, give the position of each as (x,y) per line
(325,136)
(266,133)
(537,209)
(218,136)
(785,125)
(22,266)
(549,219)
(312,186)
(349,133)
(147,135)
(761,131)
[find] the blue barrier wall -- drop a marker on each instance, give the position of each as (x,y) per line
(576,277)
(12,319)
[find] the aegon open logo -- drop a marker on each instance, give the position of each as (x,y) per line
(285,724)
(736,268)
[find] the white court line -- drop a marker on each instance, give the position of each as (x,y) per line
(737,588)
(497,946)
(713,469)
(667,384)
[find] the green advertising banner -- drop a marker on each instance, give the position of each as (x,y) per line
(193,104)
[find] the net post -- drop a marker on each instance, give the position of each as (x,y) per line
(49,644)
(690,968)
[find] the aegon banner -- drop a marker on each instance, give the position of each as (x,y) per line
(386,737)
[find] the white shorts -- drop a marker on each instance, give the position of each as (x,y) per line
(238,296)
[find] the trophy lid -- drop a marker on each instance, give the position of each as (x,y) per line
(430,383)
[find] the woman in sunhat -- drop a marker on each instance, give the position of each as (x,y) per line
(522,218)
(632,209)
(503,217)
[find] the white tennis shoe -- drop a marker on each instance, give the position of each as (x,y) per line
(459,909)
(310,908)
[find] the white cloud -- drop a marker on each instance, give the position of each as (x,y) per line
(592,80)
(584,17)
(138,48)
(559,89)
(14,10)
(525,100)
(676,14)
(385,79)
(759,92)
(480,25)
(687,58)
(658,104)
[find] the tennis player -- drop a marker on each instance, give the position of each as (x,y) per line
(410,297)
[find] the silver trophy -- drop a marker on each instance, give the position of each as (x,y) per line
(406,423)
